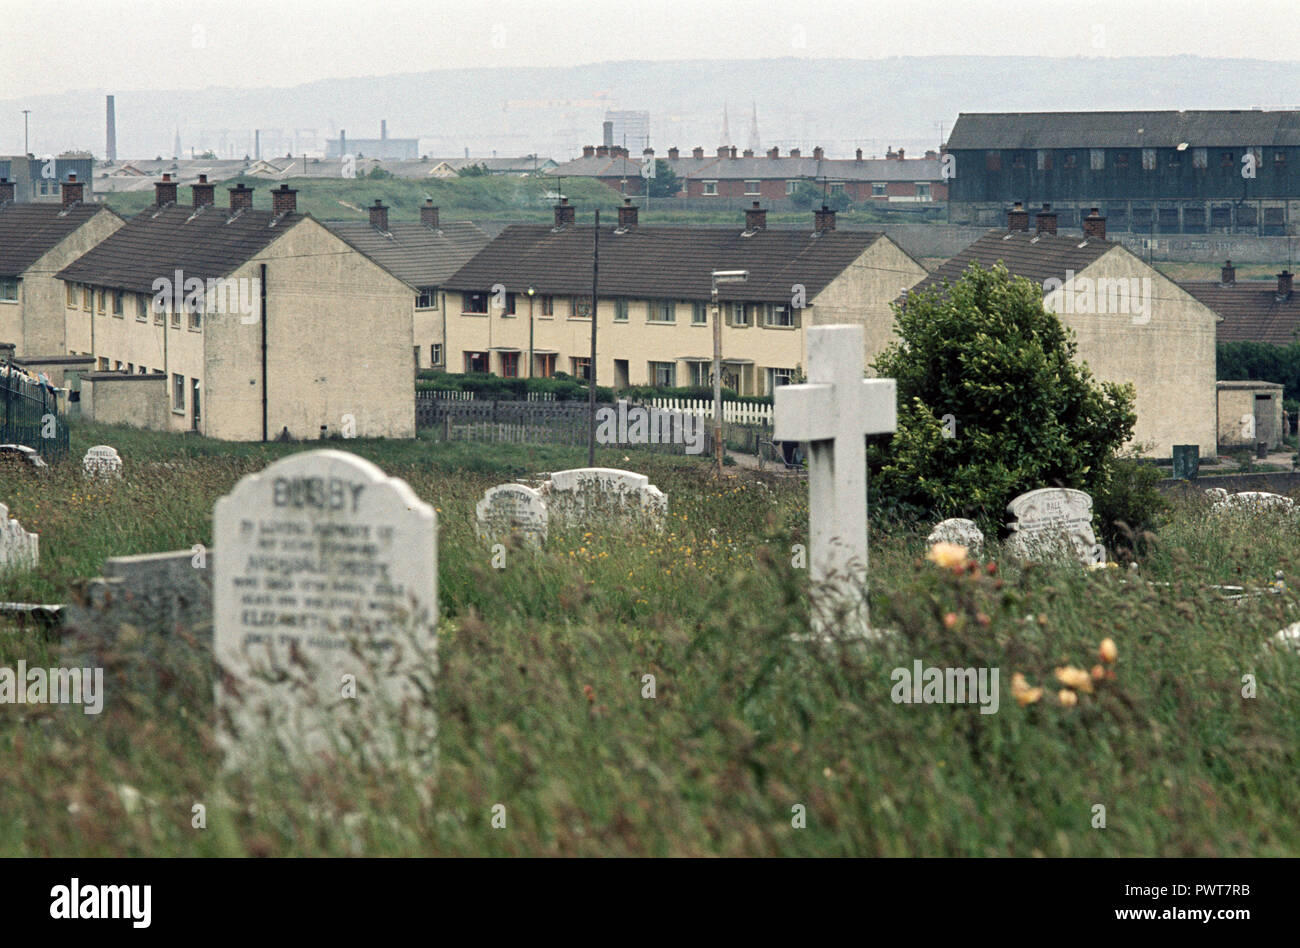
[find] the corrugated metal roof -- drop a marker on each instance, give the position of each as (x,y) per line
(1212,129)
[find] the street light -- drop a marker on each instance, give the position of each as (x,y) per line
(532,290)
(720,276)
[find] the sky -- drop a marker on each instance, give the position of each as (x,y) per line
(128,45)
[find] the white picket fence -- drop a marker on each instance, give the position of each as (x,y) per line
(736,413)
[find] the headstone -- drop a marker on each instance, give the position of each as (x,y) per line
(960,531)
(1187,461)
(325,601)
(512,509)
(19,549)
(1051,523)
(833,412)
(585,495)
(102,461)
(1248,501)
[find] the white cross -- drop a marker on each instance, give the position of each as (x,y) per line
(834,412)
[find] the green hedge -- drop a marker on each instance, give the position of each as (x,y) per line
(565,388)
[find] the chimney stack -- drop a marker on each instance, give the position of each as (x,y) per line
(1045,220)
(1228,275)
(429,214)
(733,151)
(747,153)
(72,191)
(755,218)
(588,151)
(858,156)
(1094,225)
(165,191)
(673,153)
(795,153)
(241,196)
(284,200)
(647,153)
(379,216)
(1284,285)
(1018,218)
(627,215)
(6,191)
(723,151)
(204,193)
(900,154)
(823,220)
(602,151)
(563,213)
(818,153)
(774,152)
(697,152)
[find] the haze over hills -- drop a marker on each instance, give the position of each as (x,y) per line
(841,104)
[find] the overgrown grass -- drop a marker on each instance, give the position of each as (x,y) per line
(540,691)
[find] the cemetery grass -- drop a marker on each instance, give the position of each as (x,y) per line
(542,676)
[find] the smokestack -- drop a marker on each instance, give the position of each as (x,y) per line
(429,214)
(1227,276)
(110,122)
(204,193)
(6,191)
(627,215)
(241,196)
(823,220)
(257,144)
(379,216)
(165,191)
(755,218)
(1045,220)
(563,213)
(1094,225)
(72,191)
(284,200)
(608,133)
(1284,285)
(343,142)
(383,130)
(1018,218)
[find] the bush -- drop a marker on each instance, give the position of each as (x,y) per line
(1129,507)
(1022,414)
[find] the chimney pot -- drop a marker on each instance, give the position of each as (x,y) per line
(1018,218)
(241,196)
(823,220)
(1284,284)
(564,213)
(1228,276)
(755,218)
(378,216)
(204,193)
(429,214)
(1045,220)
(627,215)
(73,191)
(284,200)
(1094,225)
(165,191)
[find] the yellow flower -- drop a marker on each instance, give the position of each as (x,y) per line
(947,555)
(1108,652)
(1067,698)
(1021,691)
(1076,678)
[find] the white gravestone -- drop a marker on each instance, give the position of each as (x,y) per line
(19,549)
(327,569)
(834,412)
(582,495)
(1051,523)
(958,530)
(102,461)
(1249,501)
(509,509)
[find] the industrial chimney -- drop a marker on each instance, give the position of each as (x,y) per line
(110,116)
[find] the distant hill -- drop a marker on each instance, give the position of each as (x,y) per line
(841,104)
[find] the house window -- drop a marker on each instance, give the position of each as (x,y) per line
(1148,159)
(739,315)
(546,365)
(103,363)
(435,354)
(1200,158)
(620,310)
(548,305)
(923,190)
(878,189)
(510,365)
(700,374)
(1121,159)
(178,393)
(8,290)
(101,300)
(195,309)
(130,368)
(710,187)
(141,307)
(159,312)
(699,314)
(837,188)
(581,367)
(1071,160)
(662,311)
(1097,159)
(1227,159)
(86,293)
(779,314)
(663,374)
(476,362)
(790,186)
(119,303)
(506,305)
(71,290)
(751,187)
(581,308)
(778,377)
(427,298)
(476,303)
(1044,160)
(1279,160)
(992,161)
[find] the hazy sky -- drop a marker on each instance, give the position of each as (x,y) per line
(124,45)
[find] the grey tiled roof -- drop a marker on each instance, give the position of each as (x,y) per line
(1035,257)
(29,231)
(416,254)
(1222,128)
(662,262)
(1252,310)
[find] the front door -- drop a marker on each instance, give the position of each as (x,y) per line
(1264,427)
(195,415)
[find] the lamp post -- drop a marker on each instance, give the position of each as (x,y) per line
(716,277)
(532,291)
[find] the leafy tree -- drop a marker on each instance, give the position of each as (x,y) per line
(473,171)
(1023,413)
(665,183)
(807,194)
(1260,361)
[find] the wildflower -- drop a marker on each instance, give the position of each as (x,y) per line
(1067,698)
(1108,652)
(947,555)
(1076,678)
(1021,691)
(1097,673)
(950,620)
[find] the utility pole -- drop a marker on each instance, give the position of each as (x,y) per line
(591,366)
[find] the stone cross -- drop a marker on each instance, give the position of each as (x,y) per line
(834,412)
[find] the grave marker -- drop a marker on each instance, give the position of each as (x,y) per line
(1052,522)
(102,461)
(582,495)
(327,569)
(834,412)
(19,548)
(509,509)
(958,530)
